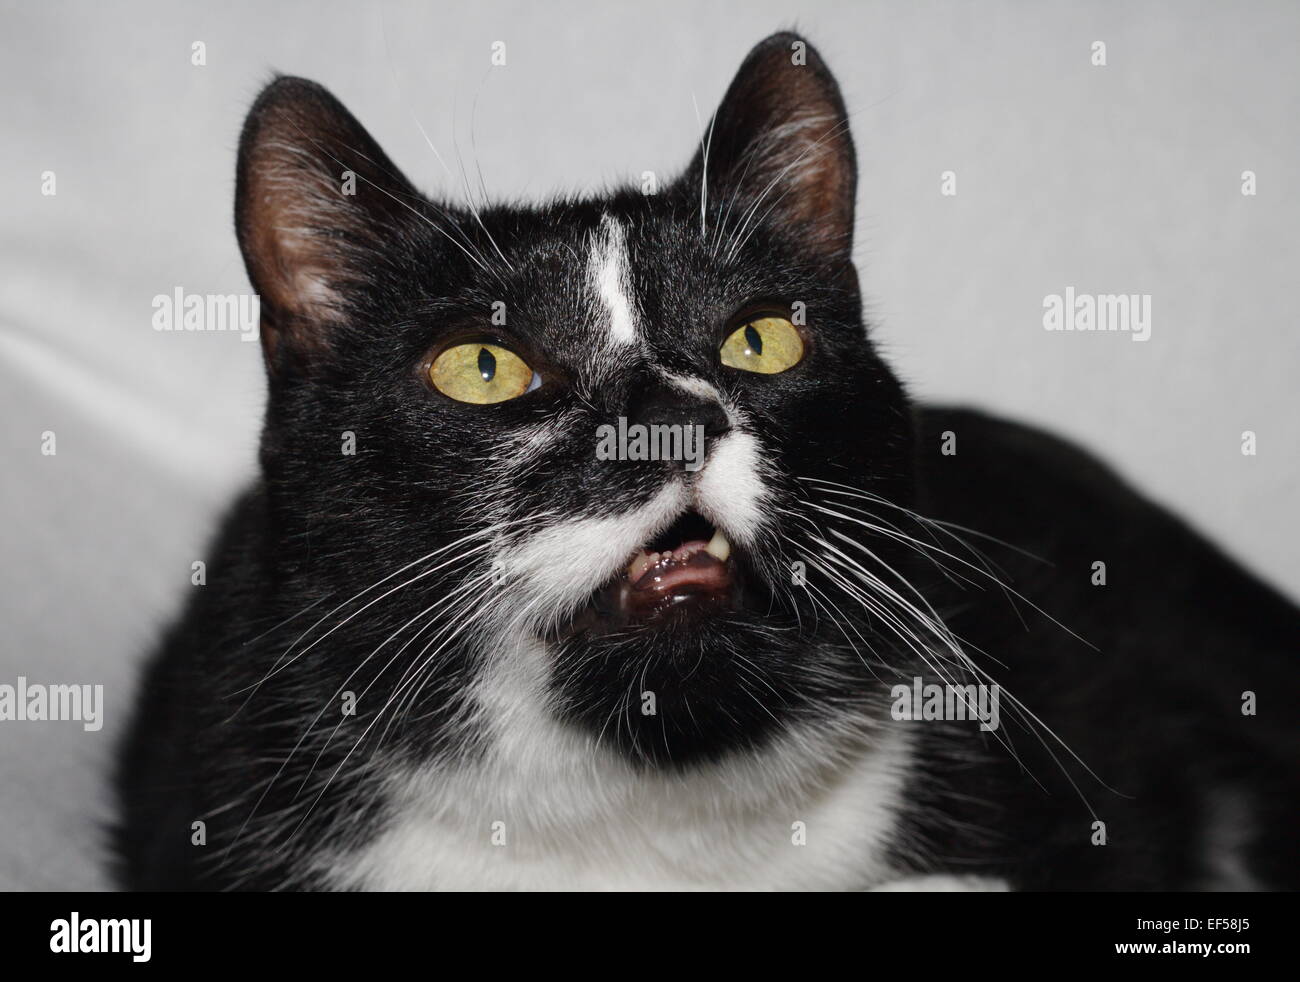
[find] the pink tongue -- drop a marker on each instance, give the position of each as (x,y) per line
(695,568)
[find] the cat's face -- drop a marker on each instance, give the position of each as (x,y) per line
(483,360)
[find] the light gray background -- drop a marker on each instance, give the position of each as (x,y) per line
(1117,179)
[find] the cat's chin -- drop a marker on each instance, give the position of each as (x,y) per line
(694,682)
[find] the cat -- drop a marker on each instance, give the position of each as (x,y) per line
(445,644)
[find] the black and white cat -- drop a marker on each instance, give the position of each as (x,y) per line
(445,643)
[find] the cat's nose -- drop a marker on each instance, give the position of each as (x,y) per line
(662,406)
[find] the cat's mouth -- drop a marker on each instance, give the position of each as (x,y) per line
(690,568)
(688,564)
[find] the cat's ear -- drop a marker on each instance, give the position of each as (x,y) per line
(779,144)
(315,200)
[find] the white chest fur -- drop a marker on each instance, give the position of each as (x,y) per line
(548,807)
(563,814)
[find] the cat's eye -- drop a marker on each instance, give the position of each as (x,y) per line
(767,345)
(482,373)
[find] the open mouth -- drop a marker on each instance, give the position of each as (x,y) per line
(688,568)
(688,564)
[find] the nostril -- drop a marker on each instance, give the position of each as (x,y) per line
(668,407)
(715,421)
(668,413)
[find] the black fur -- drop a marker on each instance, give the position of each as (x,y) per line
(238,724)
(1180,633)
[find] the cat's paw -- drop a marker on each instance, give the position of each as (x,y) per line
(943,883)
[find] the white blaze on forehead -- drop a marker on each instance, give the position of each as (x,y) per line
(609,274)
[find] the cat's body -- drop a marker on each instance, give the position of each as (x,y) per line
(1181,634)
(423,666)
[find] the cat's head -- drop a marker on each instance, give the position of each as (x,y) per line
(448,385)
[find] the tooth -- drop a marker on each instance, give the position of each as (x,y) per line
(719,548)
(640,563)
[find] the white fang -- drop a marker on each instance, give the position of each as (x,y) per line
(609,272)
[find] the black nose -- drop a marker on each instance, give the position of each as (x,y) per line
(663,406)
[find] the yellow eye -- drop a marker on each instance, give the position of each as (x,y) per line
(481,373)
(768,345)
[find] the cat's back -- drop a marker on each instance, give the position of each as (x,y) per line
(1139,645)
(1041,494)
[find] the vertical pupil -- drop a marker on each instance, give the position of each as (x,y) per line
(753,339)
(487,364)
